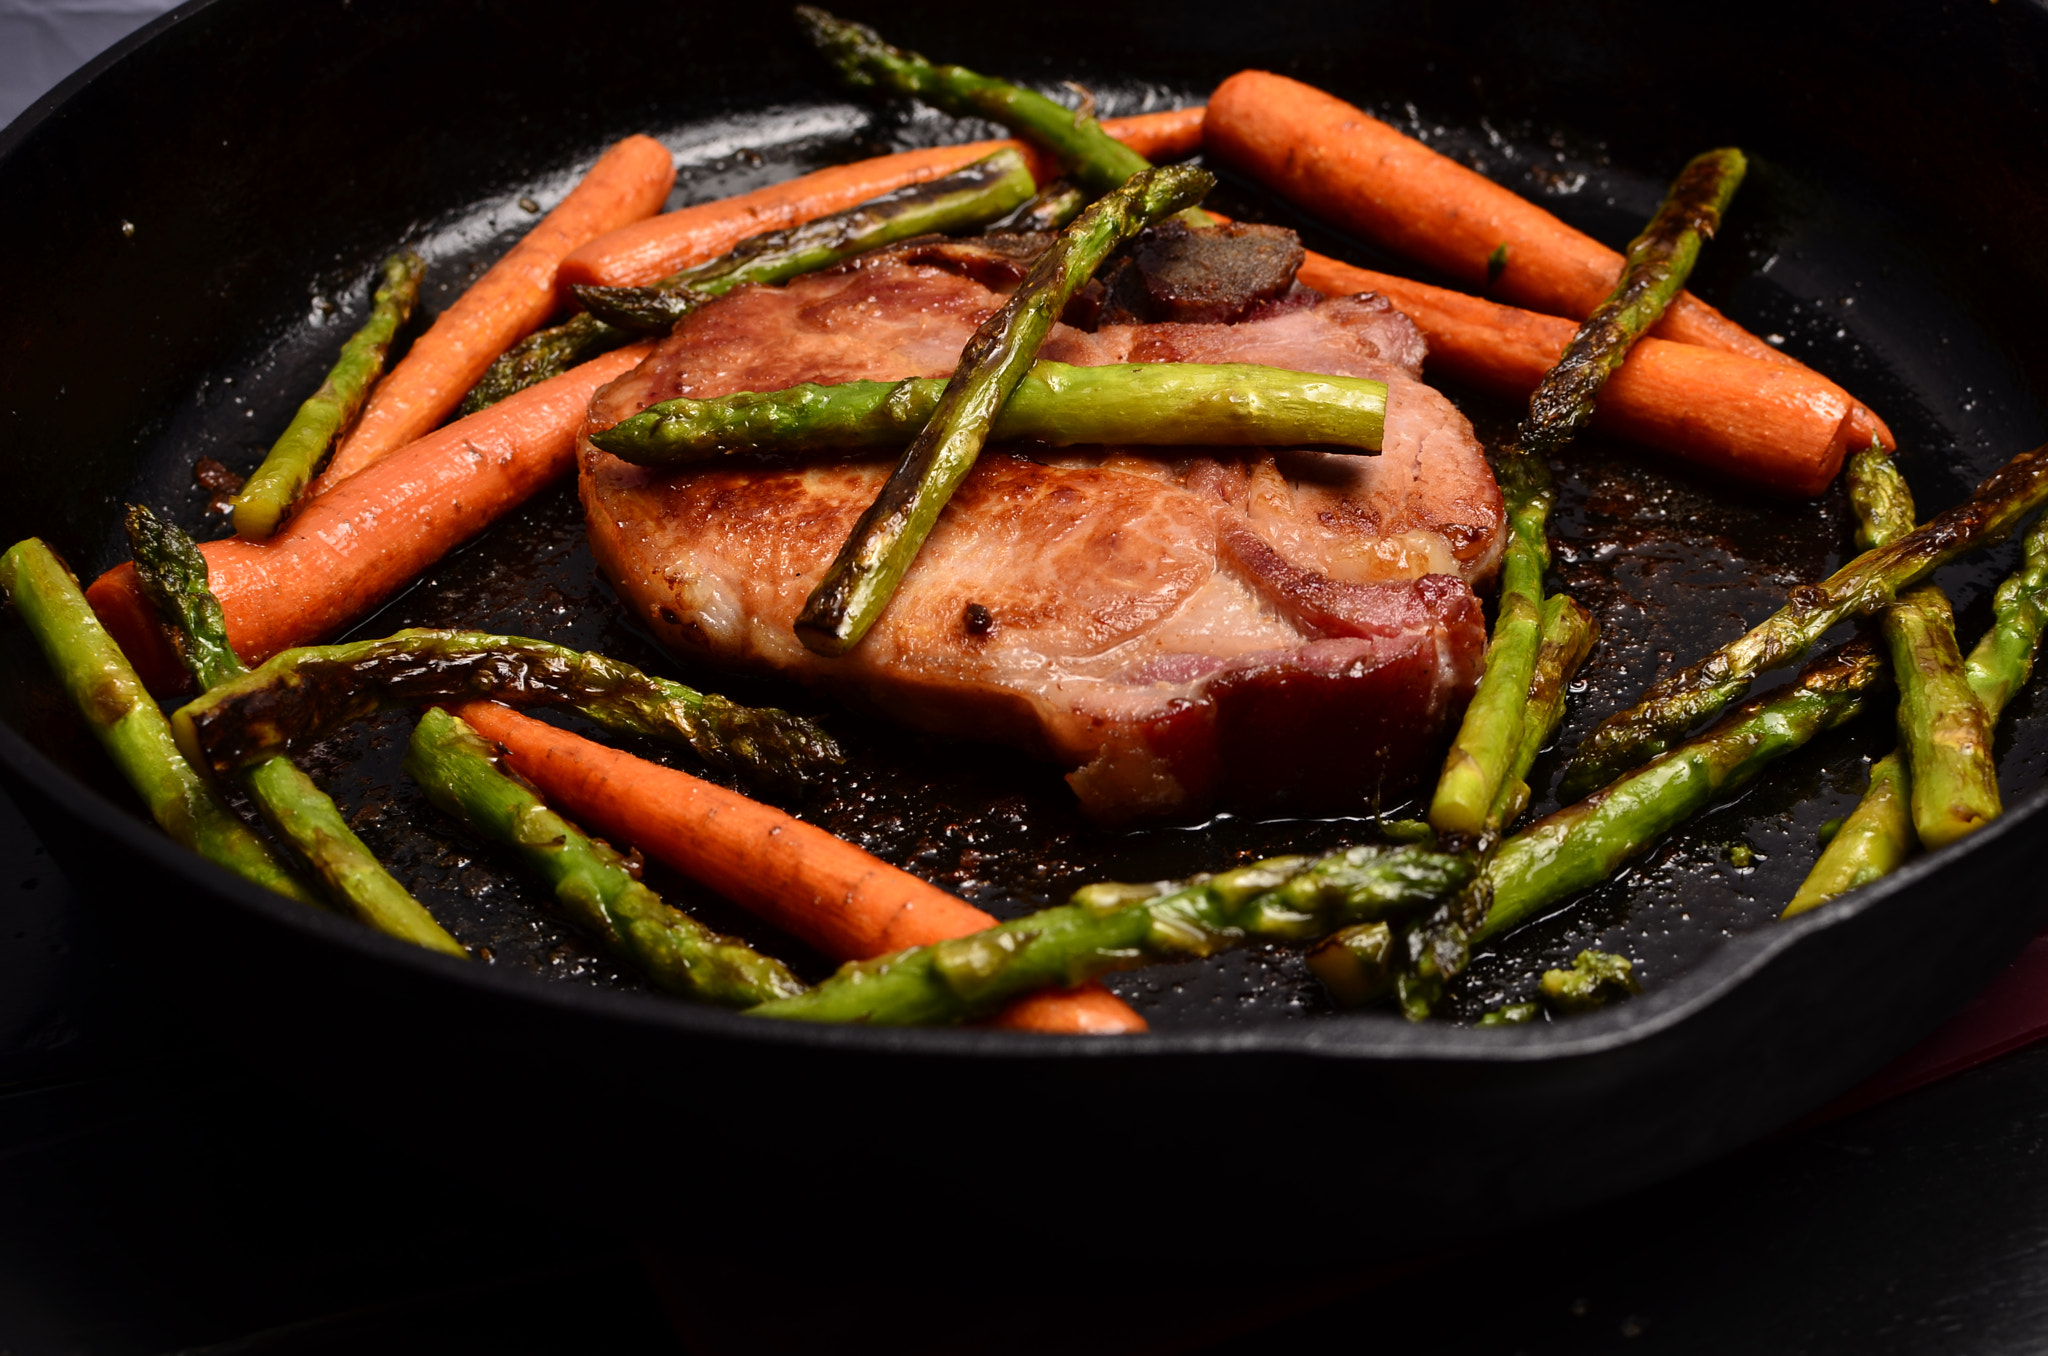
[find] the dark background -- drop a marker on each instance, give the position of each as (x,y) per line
(158,1196)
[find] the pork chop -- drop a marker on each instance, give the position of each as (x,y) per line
(1182,628)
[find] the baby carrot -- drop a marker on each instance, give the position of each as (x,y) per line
(821,889)
(640,253)
(359,542)
(629,182)
(1770,423)
(1350,168)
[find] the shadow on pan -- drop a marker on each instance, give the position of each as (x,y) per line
(267,155)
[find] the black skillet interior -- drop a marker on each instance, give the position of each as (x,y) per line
(205,214)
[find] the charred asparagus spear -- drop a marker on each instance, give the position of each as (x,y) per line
(1052,207)
(458,770)
(300,695)
(126,721)
(970,197)
(974,196)
(1866,584)
(1878,836)
(268,495)
(868,65)
(1124,404)
(1117,927)
(2001,662)
(859,583)
(1653,272)
(1945,731)
(1581,845)
(173,575)
(1568,635)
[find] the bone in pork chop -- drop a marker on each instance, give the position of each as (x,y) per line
(1184,628)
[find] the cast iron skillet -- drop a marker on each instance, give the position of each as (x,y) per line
(266,154)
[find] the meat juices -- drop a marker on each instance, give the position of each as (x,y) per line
(1184,629)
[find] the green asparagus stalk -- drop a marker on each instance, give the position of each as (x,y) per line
(1051,208)
(458,770)
(268,495)
(1880,496)
(971,197)
(2001,662)
(868,65)
(1132,404)
(1653,272)
(1583,844)
(1356,964)
(1946,733)
(173,576)
(1878,836)
(1476,768)
(126,721)
(303,694)
(1943,729)
(1568,635)
(1107,928)
(967,198)
(1874,840)
(1866,584)
(543,356)
(887,538)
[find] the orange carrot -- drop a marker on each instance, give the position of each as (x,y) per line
(818,888)
(1352,169)
(628,183)
(638,254)
(358,543)
(1769,423)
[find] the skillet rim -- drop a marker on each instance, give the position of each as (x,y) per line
(1368,1037)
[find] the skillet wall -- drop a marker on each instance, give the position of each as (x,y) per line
(258,145)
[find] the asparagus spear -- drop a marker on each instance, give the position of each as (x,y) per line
(268,495)
(1944,731)
(1568,635)
(1052,207)
(540,356)
(1124,403)
(1874,840)
(173,575)
(126,721)
(1476,768)
(1118,927)
(969,197)
(1947,734)
(1581,845)
(1653,272)
(1877,837)
(883,543)
(2000,662)
(303,694)
(458,770)
(1866,584)
(868,65)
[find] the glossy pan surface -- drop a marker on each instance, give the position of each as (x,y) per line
(266,155)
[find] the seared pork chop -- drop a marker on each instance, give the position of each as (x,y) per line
(1183,628)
